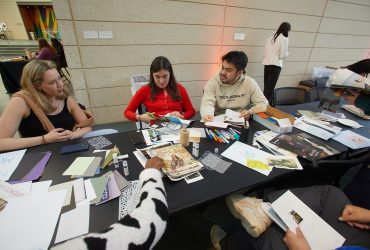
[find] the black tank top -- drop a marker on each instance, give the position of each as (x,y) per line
(31,125)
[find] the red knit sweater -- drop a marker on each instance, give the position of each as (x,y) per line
(161,105)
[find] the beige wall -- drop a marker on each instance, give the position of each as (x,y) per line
(194,35)
(9,13)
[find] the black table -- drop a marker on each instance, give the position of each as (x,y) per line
(11,72)
(180,195)
(313,106)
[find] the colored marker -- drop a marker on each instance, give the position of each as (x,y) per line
(209,135)
(215,136)
(221,136)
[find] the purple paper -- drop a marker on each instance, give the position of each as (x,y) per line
(36,171)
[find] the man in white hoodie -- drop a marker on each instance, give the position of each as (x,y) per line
(232,89)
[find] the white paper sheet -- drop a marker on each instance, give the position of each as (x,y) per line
(73,223)
(293,212)
(216,124)
(197,132)
(28,222)
(78,189)
(352,140)
(26,186)
(9,162)
(90,193)
(41,186)
(241,153)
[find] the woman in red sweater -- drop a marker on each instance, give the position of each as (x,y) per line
(161,96)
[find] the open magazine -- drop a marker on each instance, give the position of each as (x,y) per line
(345,78)
(178,162)
(288,211)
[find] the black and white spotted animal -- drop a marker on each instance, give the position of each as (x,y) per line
(141,229)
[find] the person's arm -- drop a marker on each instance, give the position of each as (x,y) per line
(44,53)
(143,227)
(356,216)
(258,100)
(78,116)
(187,106)
(284,53)
(208,103)
(9,123)
(136,101)
(296,241)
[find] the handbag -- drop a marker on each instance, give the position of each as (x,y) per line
(46,124)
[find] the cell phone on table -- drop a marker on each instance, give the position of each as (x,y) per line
(74,148)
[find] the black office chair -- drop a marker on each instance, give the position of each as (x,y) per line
(141,110)
(57,60)
(315,94)
(289,96)
(331,171)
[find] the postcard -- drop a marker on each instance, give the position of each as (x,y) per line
(284,162)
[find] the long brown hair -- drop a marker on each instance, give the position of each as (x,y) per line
(158,64)
(32,77)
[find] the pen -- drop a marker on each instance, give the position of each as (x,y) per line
(231,136)
(236,136)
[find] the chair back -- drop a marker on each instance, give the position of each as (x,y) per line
(315,94)
(289,96)
(333,170)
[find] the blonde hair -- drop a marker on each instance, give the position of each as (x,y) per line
(32,77)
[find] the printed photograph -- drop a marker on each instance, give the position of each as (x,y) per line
(296,217)
(288,163)
(304,145)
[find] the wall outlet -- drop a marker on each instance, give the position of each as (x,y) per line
(239,36)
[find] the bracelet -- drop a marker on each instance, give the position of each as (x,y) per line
(139,118)
(250,111)
(43,139)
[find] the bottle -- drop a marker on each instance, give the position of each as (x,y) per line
(195,149)
(184,137)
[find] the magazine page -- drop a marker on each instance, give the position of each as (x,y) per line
(178,162)
(304,146)
(293,212)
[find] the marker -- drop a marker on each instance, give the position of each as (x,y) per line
(215,136)
(209,135)
(221,136)
(236,136)
(236,131)
(225,134)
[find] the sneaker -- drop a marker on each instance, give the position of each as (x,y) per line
(231,200)
(253,218)
(217,234)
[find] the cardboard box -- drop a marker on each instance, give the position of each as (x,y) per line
(283,127)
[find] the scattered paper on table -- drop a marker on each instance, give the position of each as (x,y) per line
(9,162)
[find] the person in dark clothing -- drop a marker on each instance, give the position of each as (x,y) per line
(58,46)
(361,67)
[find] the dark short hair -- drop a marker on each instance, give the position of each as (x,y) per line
(238,58)
(158,64)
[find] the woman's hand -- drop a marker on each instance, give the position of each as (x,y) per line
(57,134)
(296,242)
(176,114)
(147,117)
(356,216)
(208,118)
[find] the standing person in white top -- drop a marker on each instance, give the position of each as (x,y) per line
(276,50)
